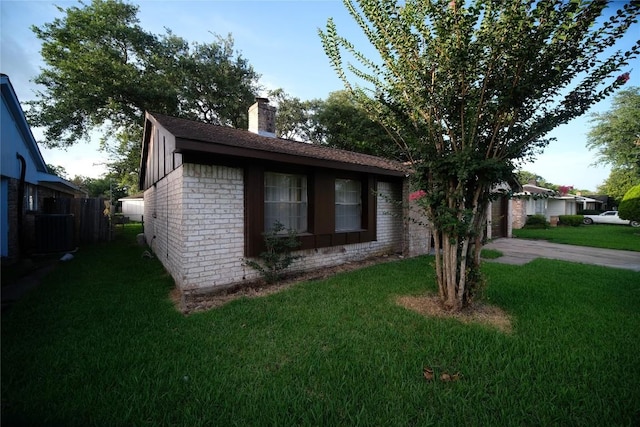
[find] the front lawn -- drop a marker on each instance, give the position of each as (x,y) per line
(597,236)
(100,343)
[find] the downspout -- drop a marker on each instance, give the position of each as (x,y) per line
(20,204)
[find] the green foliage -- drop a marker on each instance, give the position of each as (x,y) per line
(98,70)
(216,84)
(277,256)
(630,205)
(616,133)
(467,89)
(491,254)
(342,123)
(295,117)
(102,71)
(619,181)
(57,171)
(602,236)
(571,220)
(123,166)
(536,221)
(106,187)
(525,177)
(337,122)
(616,138)
(331,352)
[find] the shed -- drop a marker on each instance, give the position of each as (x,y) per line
(133,207)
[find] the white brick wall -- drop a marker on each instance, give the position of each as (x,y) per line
(417,234)
(213,226)
(194,222)
(163,222)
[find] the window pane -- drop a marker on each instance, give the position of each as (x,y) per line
(348,205)
(285,201)
(30,197)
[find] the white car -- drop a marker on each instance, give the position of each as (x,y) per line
(608,217)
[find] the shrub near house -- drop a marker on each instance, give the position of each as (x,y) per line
(572,220)
(630,205)
(536,221)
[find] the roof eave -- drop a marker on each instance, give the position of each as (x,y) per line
(192,146)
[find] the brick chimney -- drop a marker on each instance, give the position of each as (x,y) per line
(262,118)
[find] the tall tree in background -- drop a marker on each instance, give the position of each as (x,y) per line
(341,123)
(102,71)
(216,87)
(294,119)
(467,88)
(616,138)
(57,171)
(619,181)
(337,122)
(526,177)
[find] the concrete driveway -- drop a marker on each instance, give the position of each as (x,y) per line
(521,251)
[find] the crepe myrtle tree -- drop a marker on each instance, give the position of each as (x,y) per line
(468,89)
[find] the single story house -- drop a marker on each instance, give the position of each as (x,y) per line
(26,182)
(133,207)
(210,192)
(534,200)
(589,203)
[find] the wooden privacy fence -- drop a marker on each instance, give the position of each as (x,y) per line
(90,217)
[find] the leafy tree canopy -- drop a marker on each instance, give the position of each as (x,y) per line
(619,181)
(616,133)
(57,171)
(294,119)
(106,187)
(469,88)
(342,123)
(103,70)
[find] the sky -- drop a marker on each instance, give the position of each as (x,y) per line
(280,40)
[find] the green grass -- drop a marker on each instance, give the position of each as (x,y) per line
(597,236)
(490,254)
(99,343)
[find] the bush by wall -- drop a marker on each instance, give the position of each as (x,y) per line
(277,257)
(572,220)
(536,221)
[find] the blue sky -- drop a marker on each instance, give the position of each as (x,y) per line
(279,39)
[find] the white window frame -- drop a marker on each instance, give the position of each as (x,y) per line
(348,205)
(285,201)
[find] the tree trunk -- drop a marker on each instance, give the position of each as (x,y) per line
(458,250)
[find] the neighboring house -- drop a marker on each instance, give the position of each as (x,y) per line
(608,203)
(500,212)
(26,182)
(133,207)
(587,203)
(534,200)
(210,192)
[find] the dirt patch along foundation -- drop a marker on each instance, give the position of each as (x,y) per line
(191,301)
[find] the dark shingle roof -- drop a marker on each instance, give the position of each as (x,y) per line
(254,145)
